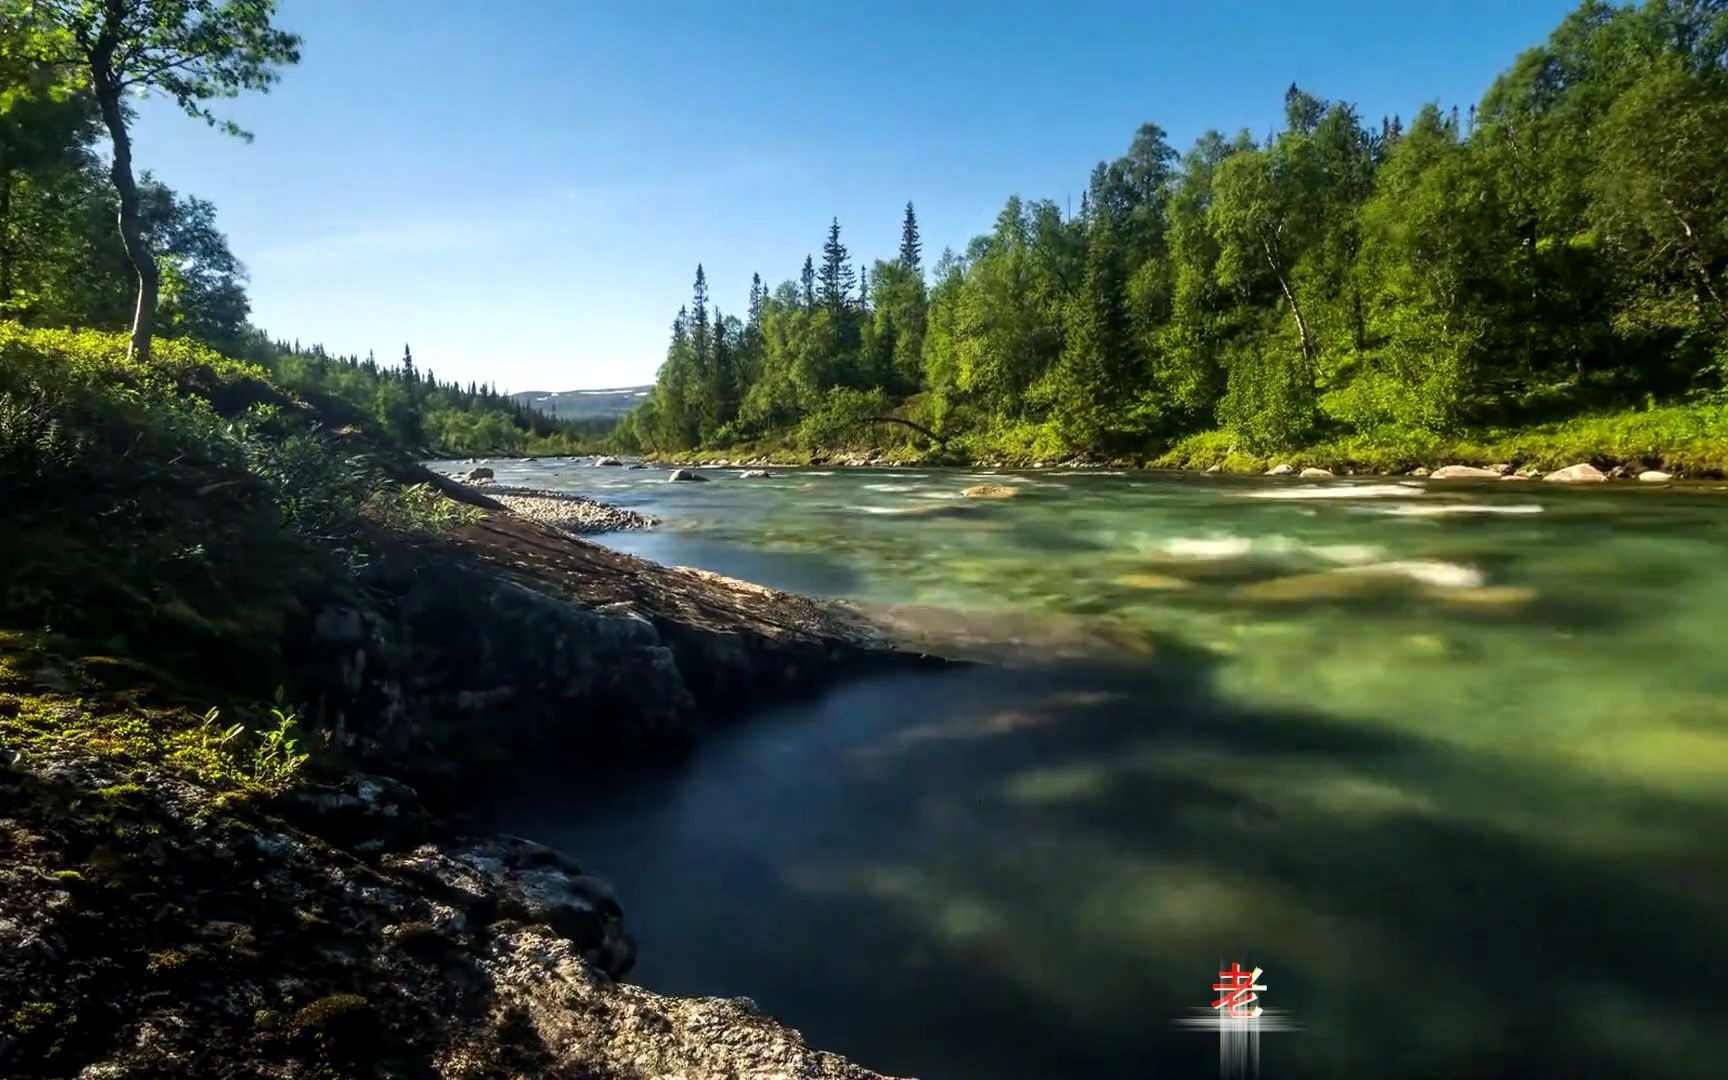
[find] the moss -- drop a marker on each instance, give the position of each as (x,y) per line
(68,875)
(163,961)
(32,1016)
(337,1023)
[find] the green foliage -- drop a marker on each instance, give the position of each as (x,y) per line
(1339,284)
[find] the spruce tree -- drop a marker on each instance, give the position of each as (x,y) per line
(807,282)
(408,366)
(837,275)
(911,249)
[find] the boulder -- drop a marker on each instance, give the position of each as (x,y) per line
(1281,470)
(1215,469)
(688,475)
(1655,476)
(1420,470)
(608,461)
(1315,473)
(1529,472)
(1503,468)
(636,465)
(991,491)
(1581,473)
(481,473)
(753,474)
(1463,472)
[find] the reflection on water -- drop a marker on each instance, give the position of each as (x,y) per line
(1453,778)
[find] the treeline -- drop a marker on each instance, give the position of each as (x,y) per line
(1560,248)
(65,106)
(418,411)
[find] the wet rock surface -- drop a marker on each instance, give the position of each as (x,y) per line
(154,927)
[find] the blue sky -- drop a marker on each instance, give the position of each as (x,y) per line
(521,189)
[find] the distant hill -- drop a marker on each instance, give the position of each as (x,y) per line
(585,404)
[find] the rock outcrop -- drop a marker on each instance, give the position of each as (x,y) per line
(156,926)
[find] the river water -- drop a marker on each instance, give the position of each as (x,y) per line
(1449,762)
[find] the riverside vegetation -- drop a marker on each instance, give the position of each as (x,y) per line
(1542,278)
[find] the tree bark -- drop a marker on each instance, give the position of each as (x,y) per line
(1307,345)
(931,435)
(131,224)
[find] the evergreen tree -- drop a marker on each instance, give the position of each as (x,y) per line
(837,275)
(807,282)
(911,249)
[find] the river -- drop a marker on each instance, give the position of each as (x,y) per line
(1449,762)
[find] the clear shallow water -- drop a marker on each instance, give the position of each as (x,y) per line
(1449,762)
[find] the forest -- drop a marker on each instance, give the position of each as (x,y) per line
(64,265)
(1553,259)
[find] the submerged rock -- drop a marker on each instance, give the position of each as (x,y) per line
(1315,473)
(1655,476)
(991,491)
(1284,469)
(687,475)
(1463,472)
(635,465)
(1581,473)
(1161,582)
(608,461)
(756,474)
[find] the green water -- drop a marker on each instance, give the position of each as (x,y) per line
(1449,762)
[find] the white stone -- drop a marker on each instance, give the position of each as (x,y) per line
(1581,473)
(1463,472)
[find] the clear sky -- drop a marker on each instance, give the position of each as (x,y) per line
(521,189)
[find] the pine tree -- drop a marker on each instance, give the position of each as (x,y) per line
(837,275)
(701,332)
(911,249)
(807,282)
(757,295)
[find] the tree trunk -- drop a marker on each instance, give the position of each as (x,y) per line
(131,225)
(1302,338)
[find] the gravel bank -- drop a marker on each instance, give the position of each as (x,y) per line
(560,510)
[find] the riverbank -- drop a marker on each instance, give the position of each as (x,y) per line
(283,659)
(1683,440)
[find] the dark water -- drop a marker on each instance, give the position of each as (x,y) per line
(1450,763)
